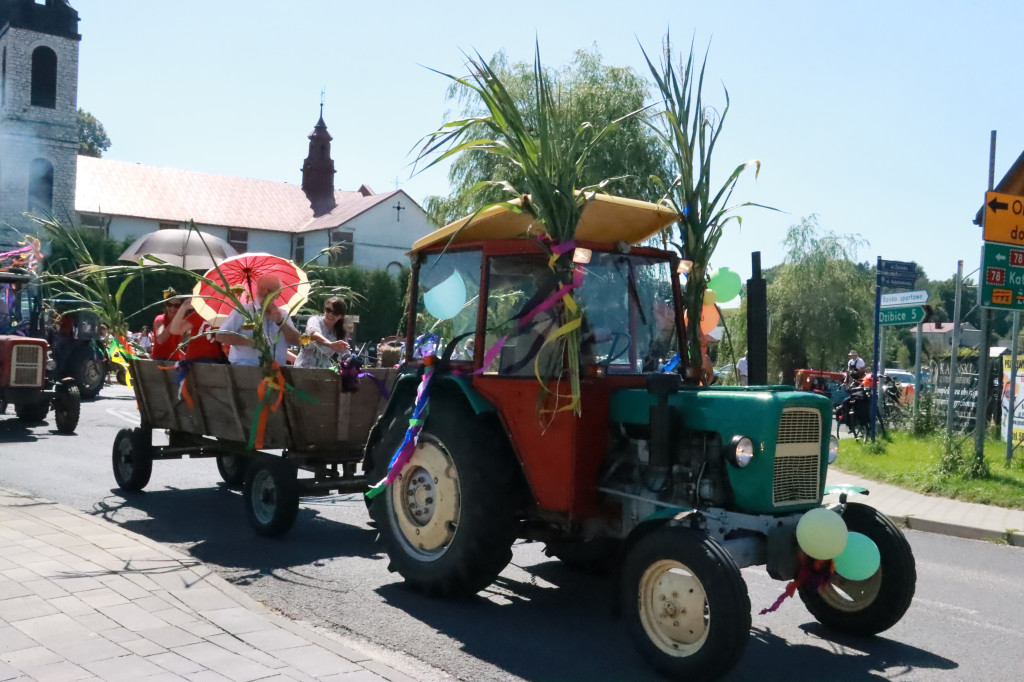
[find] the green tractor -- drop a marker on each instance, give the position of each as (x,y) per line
(671,485)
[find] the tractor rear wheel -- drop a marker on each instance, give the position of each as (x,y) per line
(449,520)
(32,412)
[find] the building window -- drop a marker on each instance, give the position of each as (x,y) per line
(40,185)
(44,78)
(93,221)
(239,239)
(300,250)
(169,226)
(341,248)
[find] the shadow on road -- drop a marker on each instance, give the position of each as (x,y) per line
(213,525)
(559,626)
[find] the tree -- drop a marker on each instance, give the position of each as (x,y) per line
(821,301)
(585,91)
(92,136)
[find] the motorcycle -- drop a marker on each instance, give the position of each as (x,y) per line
(854,411)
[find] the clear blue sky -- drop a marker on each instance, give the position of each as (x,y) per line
(874,115)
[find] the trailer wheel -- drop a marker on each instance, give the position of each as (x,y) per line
(67,408)
(32,412)
(867,607)
(271,496)
(685,602)
(232,468)
(133,458)
(449,520)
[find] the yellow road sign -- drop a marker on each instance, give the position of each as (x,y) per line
(1004,218)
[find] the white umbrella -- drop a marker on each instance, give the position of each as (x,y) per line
(189,249)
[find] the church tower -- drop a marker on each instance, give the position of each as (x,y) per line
(318,169)
(38,110)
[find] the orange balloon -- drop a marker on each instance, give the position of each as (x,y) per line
(708,318)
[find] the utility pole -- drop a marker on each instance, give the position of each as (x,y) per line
(954,350)
(1011,409)
(981,409)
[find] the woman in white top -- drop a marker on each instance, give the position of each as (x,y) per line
(326,336)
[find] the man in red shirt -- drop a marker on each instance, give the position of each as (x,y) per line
(165,345)
(198,336)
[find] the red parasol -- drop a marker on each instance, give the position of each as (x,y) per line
(245,271)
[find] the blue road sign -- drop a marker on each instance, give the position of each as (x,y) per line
(897,267)
(895,281)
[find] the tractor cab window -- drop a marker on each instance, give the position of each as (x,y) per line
(626,326)
(446,304)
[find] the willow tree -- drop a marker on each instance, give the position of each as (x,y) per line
(548,152)
(689,130)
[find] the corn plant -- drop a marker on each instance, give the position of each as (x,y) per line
(689,130)
(550,155)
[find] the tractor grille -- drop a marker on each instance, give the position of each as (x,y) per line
(797,475)
(27,366)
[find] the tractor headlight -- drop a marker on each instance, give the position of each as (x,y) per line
(833,449)
(741,451)
(51,364)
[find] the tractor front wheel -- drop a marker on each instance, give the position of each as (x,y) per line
(67,408)
(867,607)
(685,603)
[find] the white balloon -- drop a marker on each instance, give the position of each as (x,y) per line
(446,299)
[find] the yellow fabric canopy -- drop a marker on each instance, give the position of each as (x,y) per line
(605,219)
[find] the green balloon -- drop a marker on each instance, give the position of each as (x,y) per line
(859,559)
(725,283)
(821,533)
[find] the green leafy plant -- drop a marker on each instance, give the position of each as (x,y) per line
(689,130)
(549,154)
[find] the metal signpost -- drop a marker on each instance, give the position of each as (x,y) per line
(895,274)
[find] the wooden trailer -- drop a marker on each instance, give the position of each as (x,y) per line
(316,428)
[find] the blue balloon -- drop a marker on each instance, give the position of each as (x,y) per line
(446,299)
(860,558)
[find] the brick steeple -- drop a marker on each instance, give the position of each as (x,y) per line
(318,169)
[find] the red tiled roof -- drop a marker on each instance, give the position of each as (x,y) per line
(120,188)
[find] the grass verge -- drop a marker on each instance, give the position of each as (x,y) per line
(938,466)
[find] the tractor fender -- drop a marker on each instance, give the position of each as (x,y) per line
(443,387)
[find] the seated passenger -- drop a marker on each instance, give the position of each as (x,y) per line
(326,336)
(197,336)
(277,327)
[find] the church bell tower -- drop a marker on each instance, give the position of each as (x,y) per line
(38,111)
(318,169)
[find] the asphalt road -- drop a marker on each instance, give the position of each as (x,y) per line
(539,621)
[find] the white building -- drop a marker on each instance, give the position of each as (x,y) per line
(40,170)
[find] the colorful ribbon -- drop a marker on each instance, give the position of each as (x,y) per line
(412,435)
(812,572)
(270,392)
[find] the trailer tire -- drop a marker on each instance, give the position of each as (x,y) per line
(271,495)
(232,468)
(67,408)
(449,521)
(867,607)
(685,602)
(132,459)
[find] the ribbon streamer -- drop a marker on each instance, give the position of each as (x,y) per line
(812,572)
(412,435)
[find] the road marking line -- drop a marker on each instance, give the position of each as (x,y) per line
(130,416)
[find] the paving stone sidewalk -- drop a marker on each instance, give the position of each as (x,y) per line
(83,599)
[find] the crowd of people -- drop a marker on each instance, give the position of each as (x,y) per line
(180,333)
